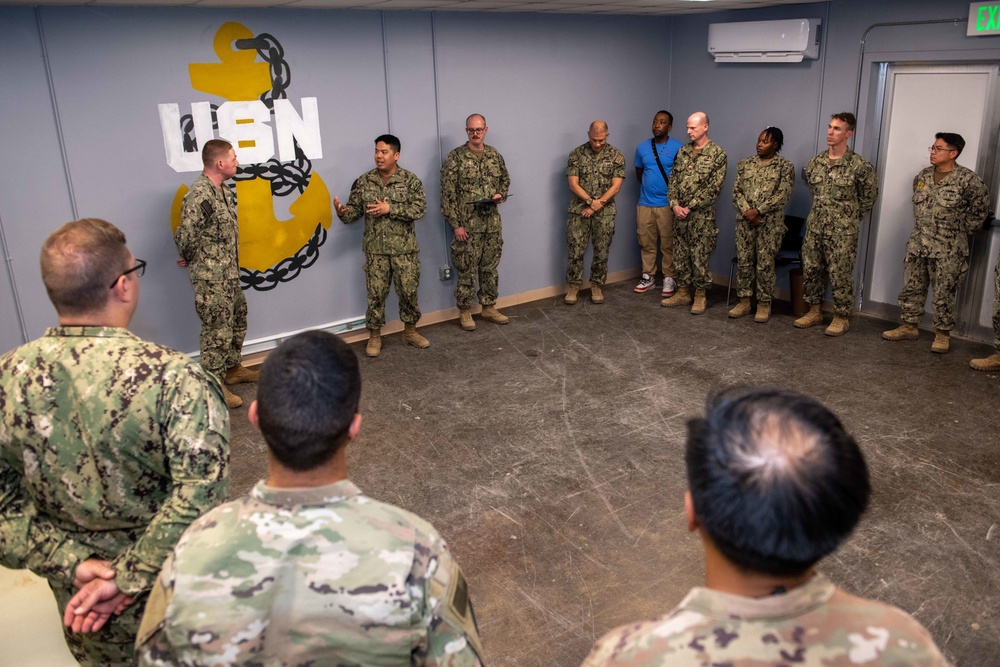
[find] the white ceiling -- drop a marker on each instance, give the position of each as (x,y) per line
(642,7)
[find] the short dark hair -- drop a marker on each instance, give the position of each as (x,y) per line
(777,136)
(670,116)
(846,117)
(79,260)
(954,140)
(214,149)
(391,140)
(307,397)
(776,481)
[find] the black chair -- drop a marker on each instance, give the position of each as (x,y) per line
(789,254)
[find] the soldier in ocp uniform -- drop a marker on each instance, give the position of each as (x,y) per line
(844,188)
(775,484)
(208,241)
(306,570)
(391,199)
(695,183)
(950,202)
(595,171)
(109,445)
(474,182)
(763,187)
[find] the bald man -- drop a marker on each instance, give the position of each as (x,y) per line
(699,170)
(596,171)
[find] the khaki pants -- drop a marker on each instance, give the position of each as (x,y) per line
(656,223)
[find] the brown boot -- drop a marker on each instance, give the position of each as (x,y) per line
(942,341)
(491,314)
(741,309)
(990,363)
(240,373)
(699,302)
(838,327)
(763,312)
(411,337)
(596,295)
(681,297)
(810,319)
(232,400)
(374,346)
(904,331)
(465,320)
(571,295)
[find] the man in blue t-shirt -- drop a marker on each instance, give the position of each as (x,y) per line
(653,217)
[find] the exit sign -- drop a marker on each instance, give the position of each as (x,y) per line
(984,19)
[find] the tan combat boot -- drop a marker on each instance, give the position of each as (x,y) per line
(810,319)
(741,309)
(596,295)
(232,400)
(681,297)
(838,327)
(699,302)
(240,373)
(571,293)
(990,363)
(763,312)
(942,341)
(491,314)
(411,337)
(465,320)
(904,331)
(374,346)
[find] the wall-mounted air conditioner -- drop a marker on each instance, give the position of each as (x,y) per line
(787,41)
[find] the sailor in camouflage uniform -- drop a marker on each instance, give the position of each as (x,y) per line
(307,570)
(763,187)
(109,445)
(472,174)
(992,362)
(950,202)
(596,171)
(844,188)
(695,183)
(775,484)
(208,240)
(391,199)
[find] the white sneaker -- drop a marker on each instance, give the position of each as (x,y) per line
(669,287)
(646,283)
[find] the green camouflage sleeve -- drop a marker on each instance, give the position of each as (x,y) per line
(355,205)
(739,196)
(187,238)
(415,205)
(197,446)
(977,202)
(867,185)
(810,167)
(453,638)
(29,541)
(573,164)
(504,176)
(673,187)
(450,208)
(711,186)
(782,193)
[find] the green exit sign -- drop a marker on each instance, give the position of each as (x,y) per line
(984,19)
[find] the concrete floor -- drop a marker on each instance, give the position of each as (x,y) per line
(549,453)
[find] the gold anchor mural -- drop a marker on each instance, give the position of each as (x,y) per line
(271,250)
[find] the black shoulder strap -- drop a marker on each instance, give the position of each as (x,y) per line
(659,164)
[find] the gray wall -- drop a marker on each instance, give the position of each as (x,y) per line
(82,136)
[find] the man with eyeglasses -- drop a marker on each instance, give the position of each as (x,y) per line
(110,445)
(950,202)
(208,241)
(474,182)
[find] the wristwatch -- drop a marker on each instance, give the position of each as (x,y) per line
(589,201)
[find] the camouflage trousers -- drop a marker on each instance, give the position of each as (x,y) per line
(756,248)
(113,645)
(834,253)
(943,275)
(694,240)
(996,306)
(598,229)
(655,226)
(477,257)
(223,311)
(403,271)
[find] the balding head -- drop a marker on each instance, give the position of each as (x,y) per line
(598,135)
(80,260)
(697,128)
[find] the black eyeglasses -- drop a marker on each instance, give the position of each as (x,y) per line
(475,130)
(139,269)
